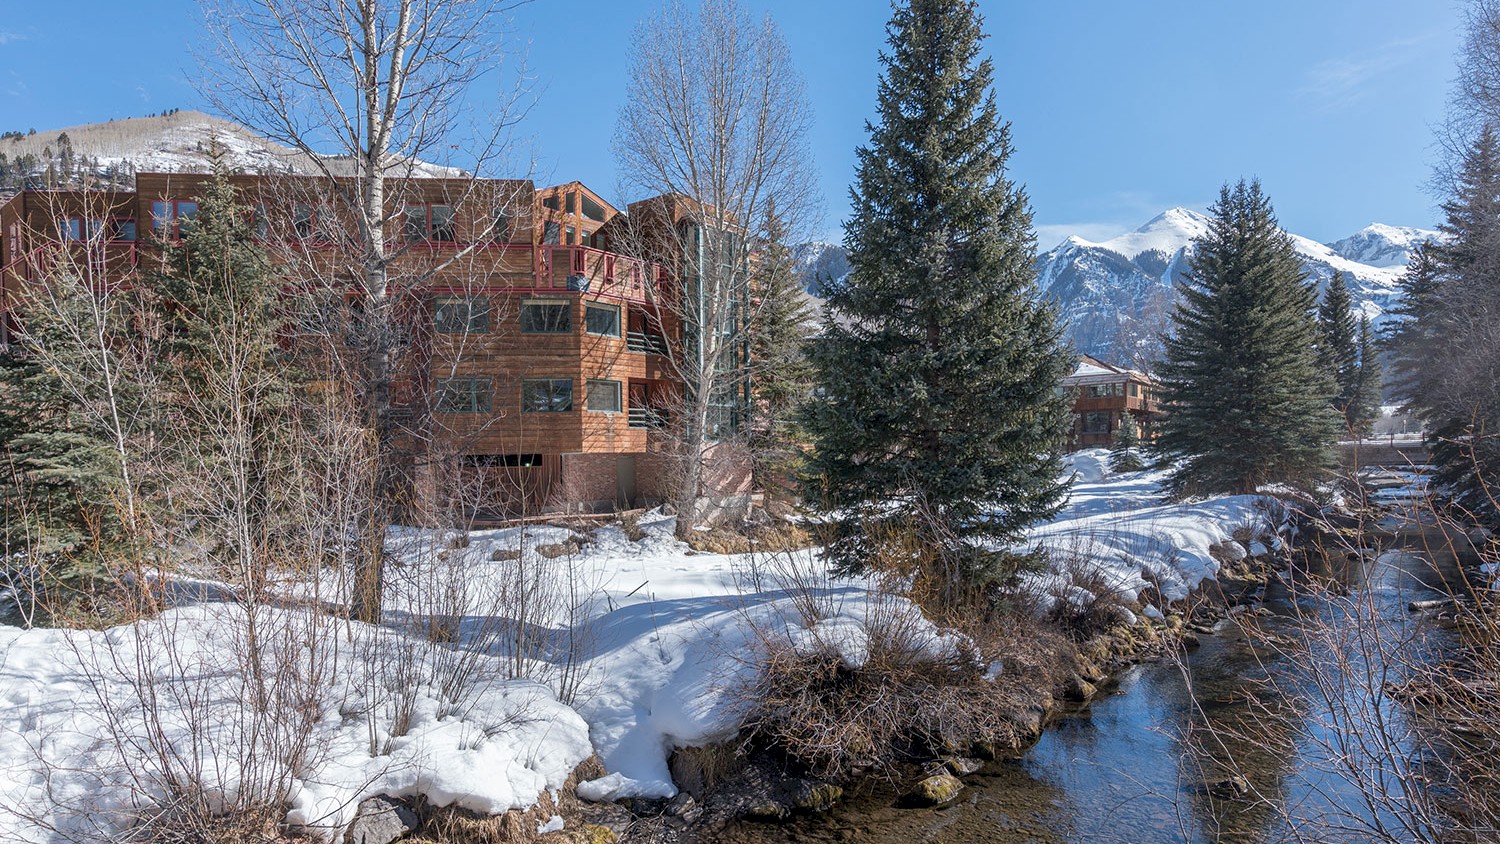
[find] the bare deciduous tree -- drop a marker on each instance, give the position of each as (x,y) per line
(368,90)
(714,127)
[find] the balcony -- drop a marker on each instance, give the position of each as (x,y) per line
(640,341)
(647,417)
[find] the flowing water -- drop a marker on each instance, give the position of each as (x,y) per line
(1132,766)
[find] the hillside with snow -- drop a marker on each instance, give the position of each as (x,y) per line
(176,142)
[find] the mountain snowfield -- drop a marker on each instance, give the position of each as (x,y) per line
(179,142)
(1115,297)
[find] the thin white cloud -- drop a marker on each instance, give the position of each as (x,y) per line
(1348,79)
(7,37)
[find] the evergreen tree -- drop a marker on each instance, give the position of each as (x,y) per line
(939,360)
(226,380)
(1364,404)
(1338,348)
(1447,337)
(1249,402)
(1123,455)
(781,377)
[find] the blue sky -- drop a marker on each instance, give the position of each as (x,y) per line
(1119,109)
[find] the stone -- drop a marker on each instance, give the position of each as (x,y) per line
(1191,640)
(818,797)
(962,766)
(500,555)
(1229,789)
(935,790)
(380,820)
(1078,690)
(766,811)
(684,806)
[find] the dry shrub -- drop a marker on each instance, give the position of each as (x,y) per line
(772,537)
(906,699)
(198,824)
(1087,601)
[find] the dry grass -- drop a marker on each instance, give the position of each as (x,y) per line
(772,538)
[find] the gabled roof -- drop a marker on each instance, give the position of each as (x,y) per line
(1093,368)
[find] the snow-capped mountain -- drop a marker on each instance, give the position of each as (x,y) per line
(819,263)
(1115,296)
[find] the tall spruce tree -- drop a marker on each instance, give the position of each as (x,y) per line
(1364,404)
(1447,337)
(781,377)
(1338,344)
(939,361)
(1250,403)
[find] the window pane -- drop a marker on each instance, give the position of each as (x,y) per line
(93,229)
(463,395)
(593,210)
(416,224)
(186,211)
(302,220)
(501,233)
(551,233)
(546,317)
(262,222)
(68,228)
(572,236)
(604,396)
(161,216)
(442,224)
(124,230)
(570,205)
(460,316)
(546,395)
(602,319)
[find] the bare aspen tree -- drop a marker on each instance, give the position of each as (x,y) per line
(714,128)
(368,91)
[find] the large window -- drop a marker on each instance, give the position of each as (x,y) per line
(1105,390)
(502,461)
(551,233)
(1096,423)
(604,396)
(468,315)
(430,224)
(602,319)
(170,218)
(592,210)
(546,316)
(546,395)
(462,395)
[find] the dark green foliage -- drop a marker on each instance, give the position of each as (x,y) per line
(1249,402)
(782,377)
(1447,337)
(1338,345)
(1364,402)
(1123,455)
(939,361)
(225,380)
(64,409)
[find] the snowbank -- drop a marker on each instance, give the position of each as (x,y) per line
(664,643)
(1119,526)
(81,751)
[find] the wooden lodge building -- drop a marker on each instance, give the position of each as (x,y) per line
(1102,394)
(536,354)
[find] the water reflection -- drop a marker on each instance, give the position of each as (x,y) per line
(1149,761)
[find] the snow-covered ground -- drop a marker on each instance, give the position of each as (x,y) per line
(652,643)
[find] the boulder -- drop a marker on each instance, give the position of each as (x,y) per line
(809,796)
(1231,788)
(1078,689)
(380,820)
(935,790)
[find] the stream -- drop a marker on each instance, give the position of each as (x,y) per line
(1124,768)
